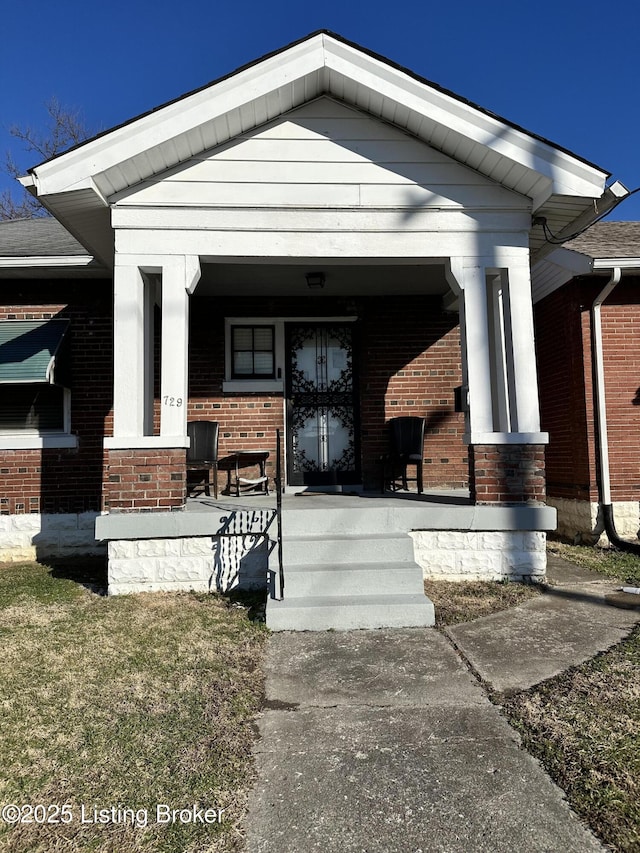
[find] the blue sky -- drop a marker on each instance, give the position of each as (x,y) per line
(569,70)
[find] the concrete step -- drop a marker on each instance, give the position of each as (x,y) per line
(348,548)
(346,613)
(313,518)
(353,579)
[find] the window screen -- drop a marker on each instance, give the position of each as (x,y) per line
(31,407)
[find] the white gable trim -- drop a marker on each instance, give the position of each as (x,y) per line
(320,64)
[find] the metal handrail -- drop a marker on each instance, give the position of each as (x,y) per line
(278,484)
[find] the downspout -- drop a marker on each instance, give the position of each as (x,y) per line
(604,475)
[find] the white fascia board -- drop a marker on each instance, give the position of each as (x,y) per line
(569,175)
(76,168)
(38,261)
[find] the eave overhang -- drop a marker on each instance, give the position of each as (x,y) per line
(562,265)
(76,186)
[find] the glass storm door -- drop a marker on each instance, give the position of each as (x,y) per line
(321,406)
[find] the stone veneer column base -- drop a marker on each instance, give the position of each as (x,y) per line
(581,521)
(464,555)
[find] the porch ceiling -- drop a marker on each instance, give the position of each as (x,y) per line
(278,279)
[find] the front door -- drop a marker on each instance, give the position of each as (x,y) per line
(322,446)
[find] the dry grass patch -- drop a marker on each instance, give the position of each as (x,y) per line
(463,601)
(584,725)
(130,701)
(607,561)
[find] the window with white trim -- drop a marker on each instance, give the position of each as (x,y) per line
(253,352)
(35,401)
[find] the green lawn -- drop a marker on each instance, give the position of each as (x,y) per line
(125,702)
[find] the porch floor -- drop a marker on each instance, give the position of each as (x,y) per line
(312,500)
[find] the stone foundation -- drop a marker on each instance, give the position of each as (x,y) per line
(581,521)
(32,536)
(197,563)
(459,555)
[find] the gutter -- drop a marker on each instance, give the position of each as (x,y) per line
(604,474)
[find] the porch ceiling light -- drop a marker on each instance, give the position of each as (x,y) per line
(315,280)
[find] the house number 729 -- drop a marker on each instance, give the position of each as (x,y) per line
(172,401)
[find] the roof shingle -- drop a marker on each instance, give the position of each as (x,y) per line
(608,240)
(40,237)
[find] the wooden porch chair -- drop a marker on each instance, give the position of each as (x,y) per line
(406,437)
(202,454)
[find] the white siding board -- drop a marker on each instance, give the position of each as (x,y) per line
(422,220)
(342,194)
(323,155)
(313,244)
(363,171)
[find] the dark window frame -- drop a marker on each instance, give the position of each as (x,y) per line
(237,375)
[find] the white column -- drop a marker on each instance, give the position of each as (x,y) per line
(475,324)
(519,325)
(179,278)
(131,386)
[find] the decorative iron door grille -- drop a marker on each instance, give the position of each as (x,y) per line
(321,406)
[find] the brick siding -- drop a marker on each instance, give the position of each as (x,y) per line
(65,480)
(563,332)
(407,361)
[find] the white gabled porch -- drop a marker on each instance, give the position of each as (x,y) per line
(322,157)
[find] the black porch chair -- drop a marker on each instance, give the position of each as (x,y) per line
(406,437)
(202,454)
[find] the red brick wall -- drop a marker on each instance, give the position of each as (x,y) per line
(621,345)
(145,479)
(65,480)
(411,365)
(563,334)
(407,358)
(508,473)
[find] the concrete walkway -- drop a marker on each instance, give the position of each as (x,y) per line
(384,741)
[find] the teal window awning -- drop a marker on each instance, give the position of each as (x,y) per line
(31,351)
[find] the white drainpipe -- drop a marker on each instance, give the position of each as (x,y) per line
(601,402)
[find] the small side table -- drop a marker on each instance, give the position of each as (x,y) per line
(237,484)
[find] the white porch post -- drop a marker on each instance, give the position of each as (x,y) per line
(519,323)
(474,324)
(133,335)
(180,276)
